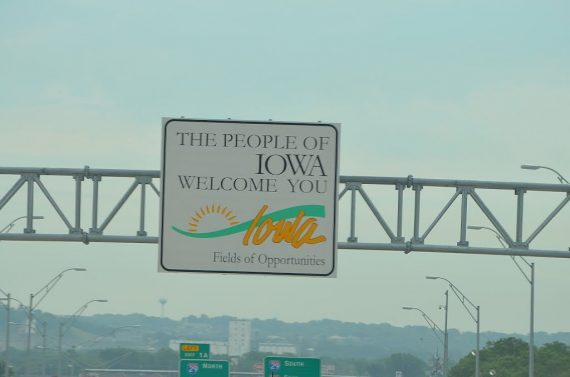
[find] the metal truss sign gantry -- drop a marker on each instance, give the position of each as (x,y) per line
(397,230)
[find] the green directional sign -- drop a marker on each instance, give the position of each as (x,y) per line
(194,351)
(204,368)
(275,366)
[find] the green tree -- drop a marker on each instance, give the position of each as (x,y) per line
(246,362)
(507,356)
(409,365)
(2,369)
(553,360)
(375,368)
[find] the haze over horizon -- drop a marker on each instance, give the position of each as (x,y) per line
(445,89)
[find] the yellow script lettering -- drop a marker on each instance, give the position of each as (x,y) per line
(296,233)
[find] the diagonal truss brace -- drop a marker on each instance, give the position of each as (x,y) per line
(75,232)
(418,241)
(465,190)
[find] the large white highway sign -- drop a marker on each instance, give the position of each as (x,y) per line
(249,197)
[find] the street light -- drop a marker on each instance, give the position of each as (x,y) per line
(42,292)
(9,227)
(6,352)
(65,326)
(8,299)
(476,317)
(561,179)
(530,280)
(435,328)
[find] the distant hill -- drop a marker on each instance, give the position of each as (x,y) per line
(323,338)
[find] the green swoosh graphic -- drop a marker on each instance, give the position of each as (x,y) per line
(287,213)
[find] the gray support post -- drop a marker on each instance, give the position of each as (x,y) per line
(78,179)
(29,335)
(446,338)
(143,182)
(531,335)
(60,350)
(353,187)
(520,206)
(7,352)
(477,359)
(400,188)
(44,346)
(94,230)
(463,228)
(417,191)
(30,216)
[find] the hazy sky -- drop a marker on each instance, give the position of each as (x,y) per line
(437,89)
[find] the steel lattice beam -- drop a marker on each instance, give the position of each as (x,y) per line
(75,230)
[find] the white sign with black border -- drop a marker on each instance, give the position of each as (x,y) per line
(249,197)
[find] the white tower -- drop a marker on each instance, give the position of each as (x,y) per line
(239,338)
(163,302)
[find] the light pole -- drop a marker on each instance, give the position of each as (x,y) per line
(561,179)
(7,351)
(435,328)
(8,300)
(476,317)
(9,227)
(42,292)
(530,280)
(44,346)
(446,338)
(64,328)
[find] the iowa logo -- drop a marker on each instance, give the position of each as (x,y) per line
(294,225)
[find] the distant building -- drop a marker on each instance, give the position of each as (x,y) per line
(278,348)
(239,342)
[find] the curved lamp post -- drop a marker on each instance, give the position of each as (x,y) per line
(42,293)
(9,227)
(6,352)
(530,280)
(476,317)
(435,328)
(64,328)
(561,179)
(8,323)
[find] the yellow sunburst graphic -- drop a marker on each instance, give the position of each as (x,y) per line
(212,209)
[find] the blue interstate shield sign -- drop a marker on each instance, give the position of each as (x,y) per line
(193,368)
(274,365)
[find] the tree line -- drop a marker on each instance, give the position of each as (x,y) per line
(507,357)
